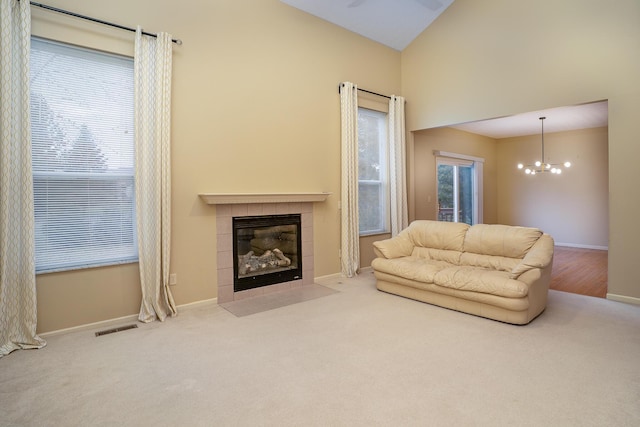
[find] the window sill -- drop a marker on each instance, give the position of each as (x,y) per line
(85,267)
(374,233)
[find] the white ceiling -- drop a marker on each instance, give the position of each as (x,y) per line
(394,23)
(595,114)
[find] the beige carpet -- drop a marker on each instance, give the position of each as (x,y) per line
(358,357)
(275,300)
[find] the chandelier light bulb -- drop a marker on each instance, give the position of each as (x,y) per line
(538,163)
(567,164)
(559,171)
(554,170)
(520,165)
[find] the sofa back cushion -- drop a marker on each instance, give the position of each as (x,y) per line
(490,262)
(447,236)
(451,257)
(500,240)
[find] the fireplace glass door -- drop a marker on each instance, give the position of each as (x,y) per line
(267,250)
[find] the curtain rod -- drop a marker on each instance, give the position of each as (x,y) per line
(99,21)
(367,91)
(373,93)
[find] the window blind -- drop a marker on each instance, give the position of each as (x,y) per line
(83,157)
(373,188)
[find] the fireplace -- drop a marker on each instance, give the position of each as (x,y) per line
(230,207)
(266,250)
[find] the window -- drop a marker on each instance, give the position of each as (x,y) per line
(459,180)
(83,160)
(373,193)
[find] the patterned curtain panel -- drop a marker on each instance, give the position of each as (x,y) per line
(397,163)
(18,314)
(350,244)
(152,79)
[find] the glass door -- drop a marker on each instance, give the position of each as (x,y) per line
(456,191)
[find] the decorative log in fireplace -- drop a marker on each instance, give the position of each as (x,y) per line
(266,250)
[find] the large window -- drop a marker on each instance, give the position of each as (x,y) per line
(373,188)
(83,160)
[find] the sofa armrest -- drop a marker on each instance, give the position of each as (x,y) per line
(395,247)
(539,256)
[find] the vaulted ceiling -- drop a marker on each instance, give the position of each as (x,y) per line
(396,23)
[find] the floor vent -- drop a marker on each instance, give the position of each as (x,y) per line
(118,329)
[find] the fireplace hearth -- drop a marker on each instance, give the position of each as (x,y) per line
(266,250)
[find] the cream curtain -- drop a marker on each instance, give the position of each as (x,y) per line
(350,245)
(152,77)
(18,315)
(397,165)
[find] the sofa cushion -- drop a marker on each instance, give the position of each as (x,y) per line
(452,257)
(500,240)
(491,262)
(481,280)
(411,268)
(438,234)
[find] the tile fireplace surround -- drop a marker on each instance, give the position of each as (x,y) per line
(229,206)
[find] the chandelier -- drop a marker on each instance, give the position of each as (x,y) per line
(540,166)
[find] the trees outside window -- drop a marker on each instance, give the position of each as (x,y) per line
(455,193)
(459,184)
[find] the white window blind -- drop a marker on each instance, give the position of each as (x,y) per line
(373,187)
(83,158)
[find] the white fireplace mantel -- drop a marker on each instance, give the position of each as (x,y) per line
(240,198)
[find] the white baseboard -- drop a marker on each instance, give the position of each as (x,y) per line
(196,304)
(328,277)
(336,276)
(622,298)
(576,245)
(104,324)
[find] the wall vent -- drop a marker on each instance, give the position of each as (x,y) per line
(118,329)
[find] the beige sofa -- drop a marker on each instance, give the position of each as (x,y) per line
(496,271)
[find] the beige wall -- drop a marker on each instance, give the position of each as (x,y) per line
(255,109)
(366,248)
(454,141)
(573,207)
(490,58)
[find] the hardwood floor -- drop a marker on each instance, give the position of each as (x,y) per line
(580,271)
